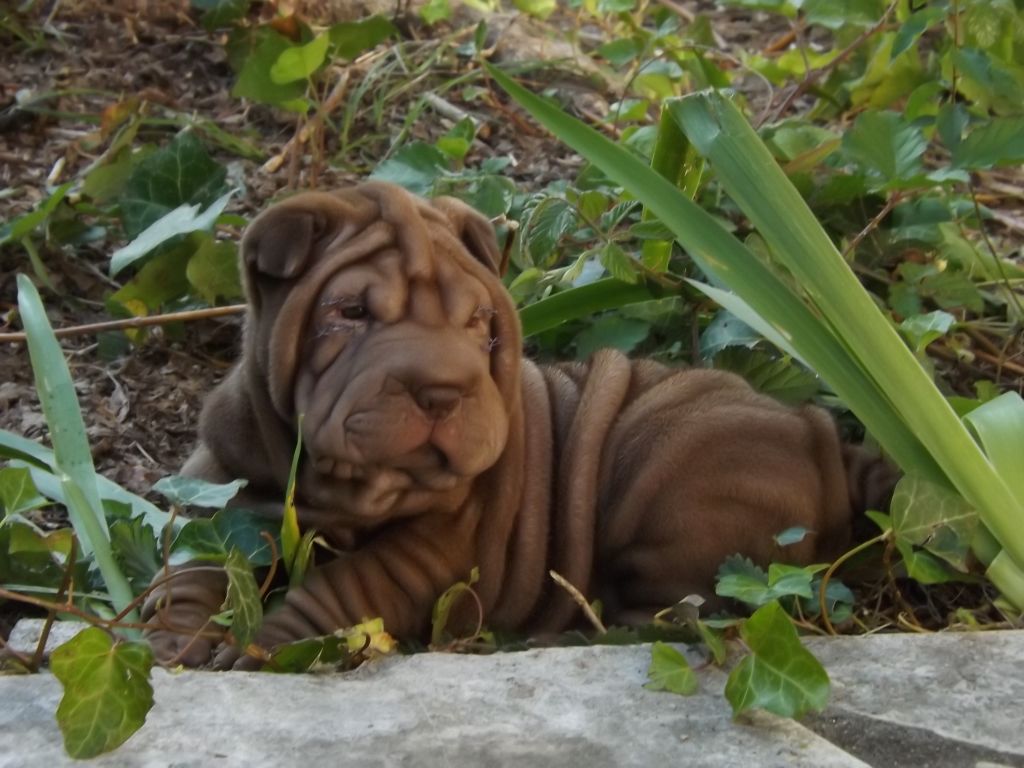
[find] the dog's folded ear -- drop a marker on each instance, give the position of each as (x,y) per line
(280,242)
(476,233)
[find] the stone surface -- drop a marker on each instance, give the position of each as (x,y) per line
(25,635)
(557,707)
(898,700)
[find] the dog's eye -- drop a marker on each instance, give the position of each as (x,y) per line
(354,312)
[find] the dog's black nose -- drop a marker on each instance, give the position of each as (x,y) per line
(438,401)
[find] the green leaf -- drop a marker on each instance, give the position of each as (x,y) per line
(191,491)
(913,28)
(136,550)
(298,62)
(213,270)
(997,142)
(182,220)
(161,279)
(670,671)
(933,517)
(18,493)
(585,300)
(434,11)
(922,330)
(290,518)
(923,567)
(619,264)
(416,166)
(231,528)
(107,693)
(779,675)
(443,607)
(254,81)
(885,145)
(539,8)
(352,38)
(72,457)
(613,331)
(780,378)
(22,226)
(793,535)
(221,13)
(182,173)
(545,225)
(243,598)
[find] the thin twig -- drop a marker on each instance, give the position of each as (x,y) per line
(872,225)
(134,322)
(812,76)
(66,588)
(580,600)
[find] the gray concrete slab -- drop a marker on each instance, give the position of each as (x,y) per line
(950,699)
(941,701)
(556,707)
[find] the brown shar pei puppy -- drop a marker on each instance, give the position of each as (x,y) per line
(432,448)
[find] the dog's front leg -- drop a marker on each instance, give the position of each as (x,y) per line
(397,578)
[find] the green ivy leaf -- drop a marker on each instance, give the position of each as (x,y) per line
(107,692)
(231,528)
(182,173)
(618,263)
(779,675)
(885,145)
(352,38)
(243,598)
(180,221)
(298,62)
(930,516)
(160,280)
(136,550)
(670,671)
(18,492)
(191,491)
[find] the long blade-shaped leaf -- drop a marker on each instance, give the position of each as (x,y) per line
(72,458)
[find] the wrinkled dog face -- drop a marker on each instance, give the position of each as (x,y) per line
(394,334)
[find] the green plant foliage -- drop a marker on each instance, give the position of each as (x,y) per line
(670,671)
(18,492)
(191,491)
(107,692)
(779,675)
(243,598)
(180,174)
(214,538)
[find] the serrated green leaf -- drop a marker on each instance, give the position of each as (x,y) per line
(191,491)
(352,38)
(18,493)
(107,693)
(885,145)
(182,173)
(213,270)
(547,223)
(298,62)
(779,675)
(670,671)
(997,142)
(243,598)
(618,263)
(933,517)
(180,221)
(779,377)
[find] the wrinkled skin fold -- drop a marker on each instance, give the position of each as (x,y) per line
(431,447)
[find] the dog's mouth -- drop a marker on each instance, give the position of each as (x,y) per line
(426,468)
